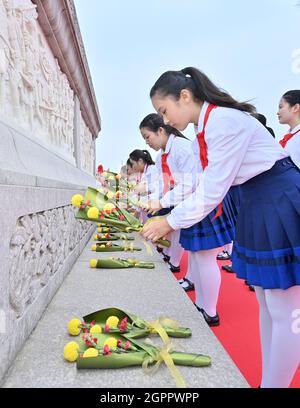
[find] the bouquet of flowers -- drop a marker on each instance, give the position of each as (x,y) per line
(116,263)
(104,229)
(114,347)
(110,247)
(112,237)
(95,206)
(114,320)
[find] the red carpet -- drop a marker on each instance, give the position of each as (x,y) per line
(239,330)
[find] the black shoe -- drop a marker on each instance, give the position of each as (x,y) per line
(174,269)
(166,258)
(223,256)
(210,320)
(251,287)
(227,268)
(159,249)
(188,285)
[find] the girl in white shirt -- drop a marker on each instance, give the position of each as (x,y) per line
(289,114)
(143,164)
(179,159)
(176,168)
(241,152)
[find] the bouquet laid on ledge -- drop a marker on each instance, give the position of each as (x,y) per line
(110,247)
(104,229)
(112,237)
(114,347)
(116,263)
(96,206)
(115,320)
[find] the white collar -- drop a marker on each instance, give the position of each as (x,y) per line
(169,144)
(295,129)
(201,117)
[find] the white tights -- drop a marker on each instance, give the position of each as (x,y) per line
(175,251)
(204,272)
(279,315)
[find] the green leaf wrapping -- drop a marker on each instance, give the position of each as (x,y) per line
(136,327)
(122,263)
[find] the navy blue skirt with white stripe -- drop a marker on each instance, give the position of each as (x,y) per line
(267,247)
(213,233)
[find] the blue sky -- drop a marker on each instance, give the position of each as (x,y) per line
(250,48)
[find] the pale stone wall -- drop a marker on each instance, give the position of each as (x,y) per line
(49,123)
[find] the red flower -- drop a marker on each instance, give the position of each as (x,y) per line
(93,322)
(121,217)
(106,350)
(102,217)
(127,345)
(100,169)
(119,343)
(106,328)
(88,202)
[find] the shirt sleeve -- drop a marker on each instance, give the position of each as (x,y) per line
(184,179)
(227,142)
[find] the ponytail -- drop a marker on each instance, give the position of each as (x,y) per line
(141,154)
(153,122)
(201,87)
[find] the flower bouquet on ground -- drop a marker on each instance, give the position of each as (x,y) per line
(104,229)
(114,320)
(117,263)
(112,237)
(110,247)
(94,206)
(104,350)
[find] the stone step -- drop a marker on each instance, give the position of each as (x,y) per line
(147,293)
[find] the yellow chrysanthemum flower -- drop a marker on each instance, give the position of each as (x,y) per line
(71,351)
(110,195)
(112,322)
(96,329)
(111,342)
(73,327)
(93,263)
(93,212)
(77,200)
(90,352)
(108,207)
(94,247)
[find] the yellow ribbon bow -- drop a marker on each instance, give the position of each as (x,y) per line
(164,355)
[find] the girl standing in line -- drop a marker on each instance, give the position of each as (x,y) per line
(240,151)
(289,114)
(178,164)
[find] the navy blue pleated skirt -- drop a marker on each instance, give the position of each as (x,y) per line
(267,248)
(213,233)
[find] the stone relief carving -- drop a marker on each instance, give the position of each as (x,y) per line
(38,248)
(34,93)
(87,148)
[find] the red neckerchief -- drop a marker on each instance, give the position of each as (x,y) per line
(287,137)
(203,149)
(167,175)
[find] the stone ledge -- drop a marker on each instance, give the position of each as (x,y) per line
(148,293)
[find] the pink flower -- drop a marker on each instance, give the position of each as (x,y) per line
(127,345)
(123,324)
(119,343)
(93,322)
(102,217)
(106,328)
(121,217)
(106,350)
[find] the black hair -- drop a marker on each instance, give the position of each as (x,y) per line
(263,120)
(202,88)
(141,154)
(292,97)
(128,163)
(153,122)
